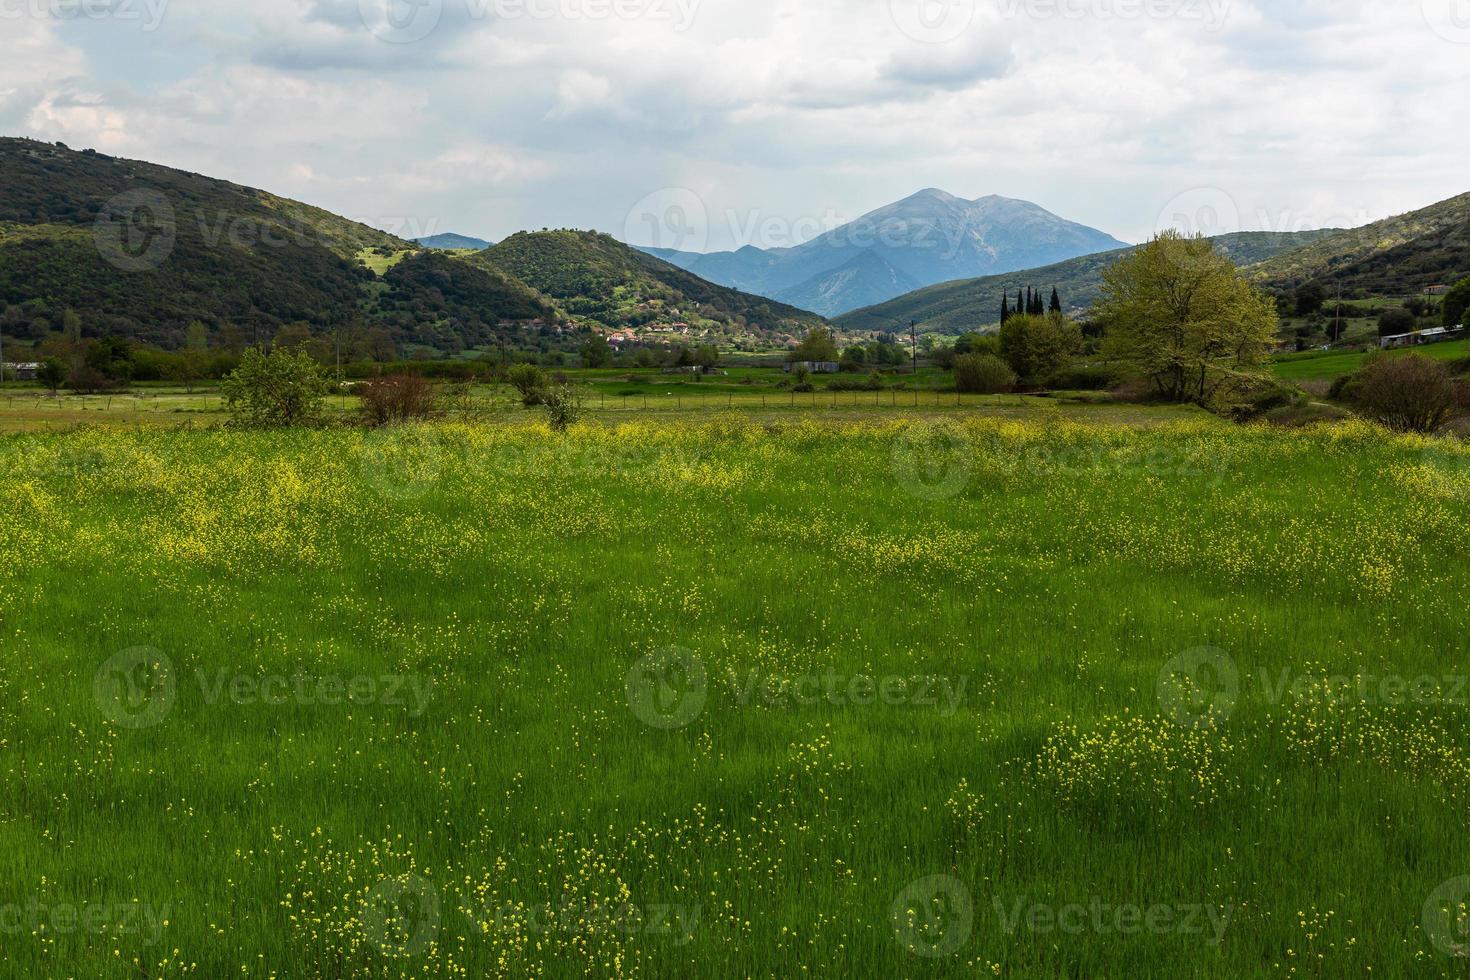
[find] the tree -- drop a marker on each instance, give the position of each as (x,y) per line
(1180,315)
(1005,307)
(983,374)
(707,357)
(51,373)
(530,381)
(1056,300)
(1036,347)
(596,351)
(816,346)
(855,358)
(1457,303)
(1396,322)
(282,388)
(190,363)
(1309,299)
(1413,393)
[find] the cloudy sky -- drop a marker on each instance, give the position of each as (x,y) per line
(714,123)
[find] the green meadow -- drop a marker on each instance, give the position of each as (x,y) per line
(735,695)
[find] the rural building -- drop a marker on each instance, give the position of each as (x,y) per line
(1431,336)
(25,371)
(1436,290)
(815,367)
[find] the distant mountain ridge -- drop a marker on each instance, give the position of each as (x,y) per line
(451,242)
(927,238)
(140,251)
(954,307)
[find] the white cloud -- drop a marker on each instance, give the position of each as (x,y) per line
(497,120)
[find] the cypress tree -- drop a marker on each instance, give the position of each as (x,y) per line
(1005,307)
(1020,308)
(1056,300)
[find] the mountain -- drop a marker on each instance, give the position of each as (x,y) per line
(593,275)
(954,307)
(141,251)
(1396,256)
(928,238)
(450,242)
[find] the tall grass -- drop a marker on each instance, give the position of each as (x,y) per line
(727,699)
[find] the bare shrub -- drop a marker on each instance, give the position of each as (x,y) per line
(1408,394)
(397,398)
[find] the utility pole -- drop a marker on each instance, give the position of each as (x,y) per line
(914,344)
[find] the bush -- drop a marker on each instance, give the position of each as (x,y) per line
(982,374)
(1083,378)
(1408,394)
(530,381)
(282,388)
(563,406)
(1395,322)
(397,398)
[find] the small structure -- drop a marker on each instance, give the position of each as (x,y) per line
(1433,335)
(25,371)
(815,367)
(1436,290)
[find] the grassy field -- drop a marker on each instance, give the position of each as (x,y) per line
(1326,365)
(734,696)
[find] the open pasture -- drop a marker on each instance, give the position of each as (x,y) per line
(734,696)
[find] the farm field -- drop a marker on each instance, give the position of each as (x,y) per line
(710,694)
(1326,365)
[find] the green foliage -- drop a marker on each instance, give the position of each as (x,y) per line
(817,345)
(279,389)
(983,374)
(596,352)
(1037,346)
(1457,303)
(1178,312)
(51,373)
(1395,322)
(563,406)
(530,381)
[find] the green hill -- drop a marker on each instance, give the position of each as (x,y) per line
(596,277)
(954,307)
(1394,257)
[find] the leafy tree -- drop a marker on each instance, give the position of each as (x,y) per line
(707,357)
(855,358)
(596,351)
(51,373)
(1396,321)
(530,381)
(1457,303)
(1309,299)
(282,388)
(1036,347)
(816,346)
(1179,314)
